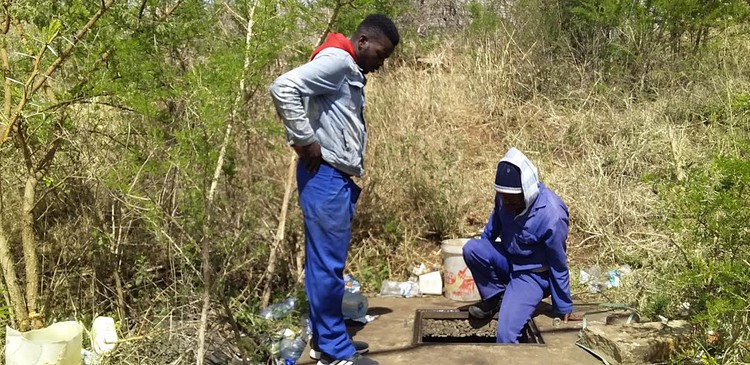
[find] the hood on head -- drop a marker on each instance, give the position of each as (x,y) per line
(529,175)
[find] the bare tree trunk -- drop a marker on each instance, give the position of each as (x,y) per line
(29,244)
(17,301)
(206,243)
(25,306)
(271,270)
(117,238)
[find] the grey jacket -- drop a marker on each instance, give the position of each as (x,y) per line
(322,101)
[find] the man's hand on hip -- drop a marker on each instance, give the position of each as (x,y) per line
(310,156)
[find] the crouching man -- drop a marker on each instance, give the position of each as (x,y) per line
(529,262)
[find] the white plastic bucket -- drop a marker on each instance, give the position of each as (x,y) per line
(459,283)
(58,344)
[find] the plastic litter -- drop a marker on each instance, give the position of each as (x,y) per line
(279,310)
(406,289)
(592,277)
(431,283)
(306,327)
(598,281)
(351,285)
(89,357)
(290,350)
(60,344)
(614,279)
(419,270)
(103,335)
(354,306)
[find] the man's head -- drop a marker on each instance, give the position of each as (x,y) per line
(508,186)
(374,41)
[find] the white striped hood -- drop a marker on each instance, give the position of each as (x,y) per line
(529,175)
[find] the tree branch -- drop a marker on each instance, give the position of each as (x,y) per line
(169,11)
(271,270)
(27,156)
(66,53)
(6,78)
(332,19)
(11,280)
(29,243)
(142,9)
(4,57)
(6,21)
(26,95)
(205,244)
(34,83)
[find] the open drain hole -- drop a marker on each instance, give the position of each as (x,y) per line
(452,326)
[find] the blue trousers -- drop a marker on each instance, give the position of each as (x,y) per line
(493,274)
(327,198)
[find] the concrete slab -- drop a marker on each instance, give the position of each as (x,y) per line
(391,335)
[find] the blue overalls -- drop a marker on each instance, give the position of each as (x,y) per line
(327,199)
(528,264)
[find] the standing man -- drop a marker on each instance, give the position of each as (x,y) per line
(321,104)
(529,263)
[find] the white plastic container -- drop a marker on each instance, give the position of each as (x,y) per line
(459,283)
(431,283)
(58,344)
(103,335)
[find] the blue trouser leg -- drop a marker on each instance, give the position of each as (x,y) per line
(489,267)
(327,199)
(524,292)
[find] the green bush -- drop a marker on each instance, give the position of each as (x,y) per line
(709,214)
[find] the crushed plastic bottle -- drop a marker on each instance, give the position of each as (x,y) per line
(351,284)
(592,277)
(406,289)
(89,357)
(354,305)
(306,328)
(279,310)
(614,279)
(291,350)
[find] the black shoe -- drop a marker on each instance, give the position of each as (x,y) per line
(486,308)
(357,359)
(315,353)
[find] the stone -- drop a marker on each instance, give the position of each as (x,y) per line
(636,343)
(623,318)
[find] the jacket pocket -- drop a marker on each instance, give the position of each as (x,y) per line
(356,95)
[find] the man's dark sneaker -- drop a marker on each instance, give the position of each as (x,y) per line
(357,359)
(486,308)
(315,353)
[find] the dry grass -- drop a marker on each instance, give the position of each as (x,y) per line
(437,131)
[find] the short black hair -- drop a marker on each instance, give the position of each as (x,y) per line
(379,23)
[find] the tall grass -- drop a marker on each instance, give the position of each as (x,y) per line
(438,128)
